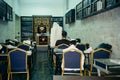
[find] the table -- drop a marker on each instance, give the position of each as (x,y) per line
(56,77)
(107,66)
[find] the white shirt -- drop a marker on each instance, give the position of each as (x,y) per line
(89,50)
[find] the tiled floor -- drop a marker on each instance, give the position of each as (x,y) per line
(42,69)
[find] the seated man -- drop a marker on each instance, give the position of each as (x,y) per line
(63,40)
(58,58)
(78,40)
(88,48)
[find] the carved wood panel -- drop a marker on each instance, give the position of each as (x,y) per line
(41,29)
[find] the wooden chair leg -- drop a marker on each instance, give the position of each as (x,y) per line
(84,72)
(28,76)
(11,76)
(62,73)
(8,76)
(89,73)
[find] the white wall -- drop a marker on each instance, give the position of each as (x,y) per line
(8,28)
(42,7)
(97,29)
(15,4)
(16,7)
(72,4)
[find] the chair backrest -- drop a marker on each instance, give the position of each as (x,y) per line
(101,53)
(24,46)
(17,60)
(73,59)
(81,47)
(62,46)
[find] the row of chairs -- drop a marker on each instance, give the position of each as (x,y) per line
(17,60)
(5,49)
(71,60)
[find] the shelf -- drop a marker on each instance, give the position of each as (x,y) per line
(9,13)
(26,27)
(79,11)
(6,11)
(87,8)
(26,23)
(70,16)
(2,10)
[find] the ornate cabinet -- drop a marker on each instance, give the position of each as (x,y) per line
(41,29)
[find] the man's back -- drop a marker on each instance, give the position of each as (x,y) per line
(62,41)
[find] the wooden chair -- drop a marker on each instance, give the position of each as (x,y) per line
(100,53)
(81,47)
(58,58)
(72,62)
(17,63)
(24,46)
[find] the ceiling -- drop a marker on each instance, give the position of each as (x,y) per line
(42,2)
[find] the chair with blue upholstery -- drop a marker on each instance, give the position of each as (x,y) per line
(24,46)
(62,46)
(58,58)
(99,53)
(81,47)
(17,63)
(72,62)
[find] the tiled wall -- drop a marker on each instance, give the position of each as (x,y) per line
(104,27)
